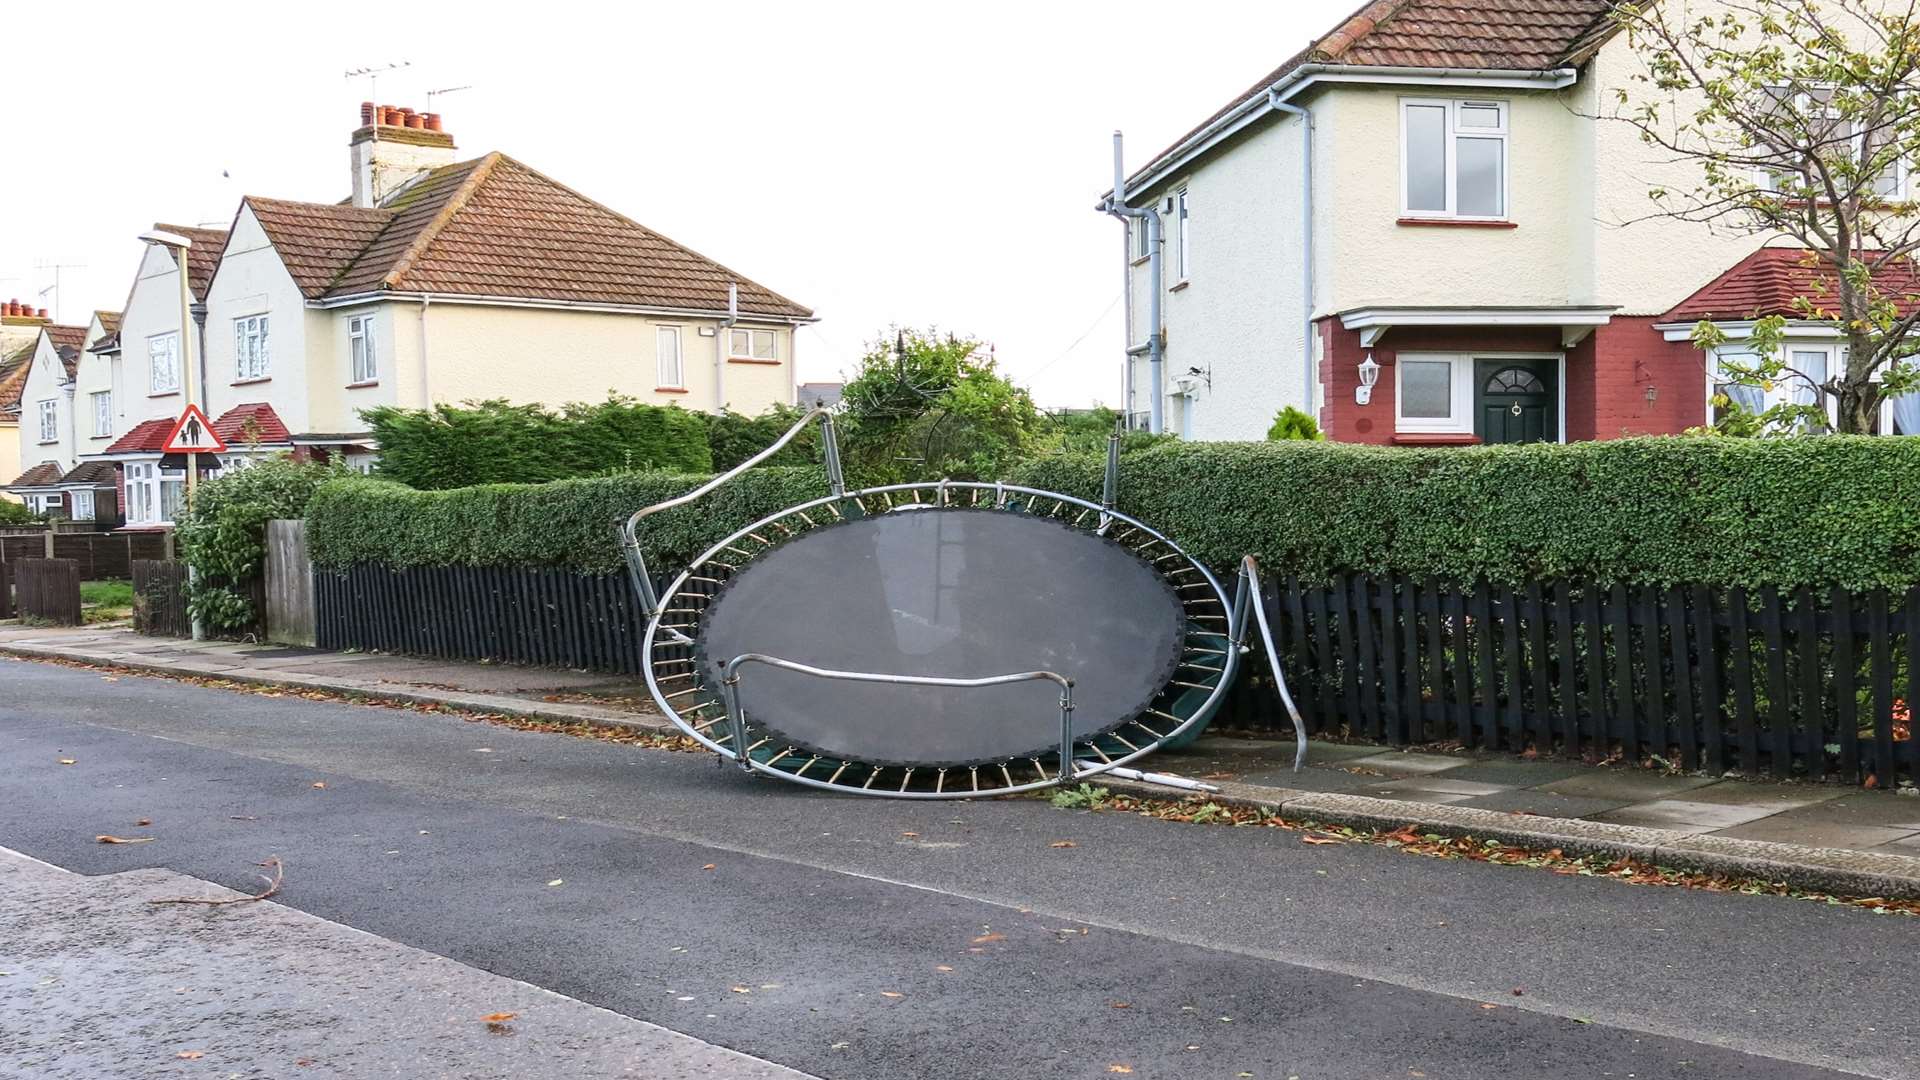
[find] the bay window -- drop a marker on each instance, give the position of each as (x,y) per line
(154,494)
(1453,159)
(250,348)
(82,505)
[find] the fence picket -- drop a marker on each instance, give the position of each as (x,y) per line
(1881,660)
(1684,727)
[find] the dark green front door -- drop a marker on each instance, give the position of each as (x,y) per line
(1515,401)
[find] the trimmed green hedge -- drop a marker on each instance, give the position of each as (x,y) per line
(493,442)
(1671,510)
(567,523)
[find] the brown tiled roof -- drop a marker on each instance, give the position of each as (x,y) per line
(147,437)
(1768,282)
(494,227)
(1504,35)
(202,257)
(41,475)
(317,241)
(109,322)
(14,368)
(101,473)
(67,341)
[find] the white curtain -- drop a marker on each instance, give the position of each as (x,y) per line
(1906,413)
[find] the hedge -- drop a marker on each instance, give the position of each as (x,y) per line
(1711,511)
(491,442)
(567,523)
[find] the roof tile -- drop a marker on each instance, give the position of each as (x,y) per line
(41,475)
(202,257)
(1768,281)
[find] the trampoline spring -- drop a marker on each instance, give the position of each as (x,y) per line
(1082,517)
(1209,618)
(837,516)
(1189,685)
(1200,667)
(1121,739)
(1193,585)
(889,499)
(1208,652)
(684,693)
(775,759)
(973,771)
(723,738)
(729,567)
(906,778)
(1202,602)
(673,660)
(758,745)
(1058,505)
(804,766)
(708,580)
(835,778)
(760,538)
(1142,725)
(1164,558)
(939,781)
(808,520)
(871,777)
(703,726)
(682,611)
(1099,753)
(1005,776)
(915,492)
(678,675)
(1038,768)
(1163,716)
(782,526)
(737,551)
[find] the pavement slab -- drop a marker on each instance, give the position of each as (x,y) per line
(116,986)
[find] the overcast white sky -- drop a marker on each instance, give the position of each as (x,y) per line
(882,163)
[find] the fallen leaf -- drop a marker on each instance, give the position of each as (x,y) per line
(556,882)
(1063,843)
(241,817)
(984,938)
(498,1018)
(1119,1004)
(66,761)
(1119,1068)
(103,838)
(109,678)
(1517,991)
(191,1055)
(143,822)
(839,1046)
(740,990)
(1488,1005)
(1320,840)
(709,866)
(891,994)
(909,834)
(943,967)
(320,783)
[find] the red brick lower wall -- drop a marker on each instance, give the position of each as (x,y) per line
(1607,376)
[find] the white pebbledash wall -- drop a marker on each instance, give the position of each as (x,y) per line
(46,381)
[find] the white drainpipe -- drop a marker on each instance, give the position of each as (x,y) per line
(426,382)
(1117,206)
(1306,239)
(721,345)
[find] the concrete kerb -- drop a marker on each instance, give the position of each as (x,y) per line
(1831,870)
(553,712)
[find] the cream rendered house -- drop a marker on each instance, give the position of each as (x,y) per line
(444,281)
(46,417)
(19,337)
(1424,197)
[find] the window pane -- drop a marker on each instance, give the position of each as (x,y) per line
(1480,116)
(669,356)
(737,344)
(763,344)
(1426,162)
(1426,389)
(1479,183)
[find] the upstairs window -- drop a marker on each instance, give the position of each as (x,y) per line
(102,413)
(360,350)
(1182,237)
(163,363)
(1142,236)
(250,348)
(1453,159)
(751,345)
(667,355)
(49,421)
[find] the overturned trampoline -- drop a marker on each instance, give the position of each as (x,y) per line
(943,639)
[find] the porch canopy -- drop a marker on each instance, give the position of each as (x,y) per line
(1575,321)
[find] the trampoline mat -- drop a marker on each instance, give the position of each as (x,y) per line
(958,593)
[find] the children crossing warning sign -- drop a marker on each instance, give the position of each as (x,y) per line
(193,434)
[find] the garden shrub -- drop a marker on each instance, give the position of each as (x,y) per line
(222,532)
(567,523)
(1838,510)
(492,442)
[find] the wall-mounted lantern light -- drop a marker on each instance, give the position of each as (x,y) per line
(1369,374)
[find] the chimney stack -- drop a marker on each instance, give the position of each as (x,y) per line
(393,147)
(15,313)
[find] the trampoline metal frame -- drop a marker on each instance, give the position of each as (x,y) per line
(1070,769)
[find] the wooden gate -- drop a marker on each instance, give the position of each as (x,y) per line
(160,598)
(289,583)
(49,590)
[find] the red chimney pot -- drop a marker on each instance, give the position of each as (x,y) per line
(416,121)
(433,121)
(43,313)
(366,113)
(12,308)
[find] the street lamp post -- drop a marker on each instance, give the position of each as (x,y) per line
(178,245)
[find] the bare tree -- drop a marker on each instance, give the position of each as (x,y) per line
(1803,119)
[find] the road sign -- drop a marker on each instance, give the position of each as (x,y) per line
(193,434)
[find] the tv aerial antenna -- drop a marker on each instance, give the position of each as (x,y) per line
(56,266)
(431,94)
(372,75)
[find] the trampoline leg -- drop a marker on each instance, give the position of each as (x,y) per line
(736,722)
(1067,771)
(1121,772)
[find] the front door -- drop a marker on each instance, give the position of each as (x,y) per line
(1516,401)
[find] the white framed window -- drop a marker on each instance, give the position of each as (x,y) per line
(141,496)
(1142,235)
(751,344)
(250,348)
(672,374)
(83,505)
(1433,392)
(1453,158)
(361,353)
(102,401)
(163,363)
(49,421)
(1182,238)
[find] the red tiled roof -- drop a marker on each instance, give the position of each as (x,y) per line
(14,368)
(67,341)
(1768,281)
(494,227)
(203,257)
(47,472)
(254,423)
(109,322)
(1504,35)
(147,437)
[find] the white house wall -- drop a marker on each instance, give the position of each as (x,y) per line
(1239,317)
(46,381)
(253,281)
(153,307)
(94,374)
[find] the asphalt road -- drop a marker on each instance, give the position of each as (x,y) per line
(882,940)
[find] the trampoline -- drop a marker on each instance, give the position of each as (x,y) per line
(942,639)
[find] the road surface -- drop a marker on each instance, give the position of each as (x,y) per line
(854,938)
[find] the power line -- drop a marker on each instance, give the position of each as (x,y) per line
(1091,327)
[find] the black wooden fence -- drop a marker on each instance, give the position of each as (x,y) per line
(48,590)
(101,555)
(160,598)
(1792,684)
(1805,684)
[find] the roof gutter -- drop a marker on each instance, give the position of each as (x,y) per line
(1306,76)
(376,295)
